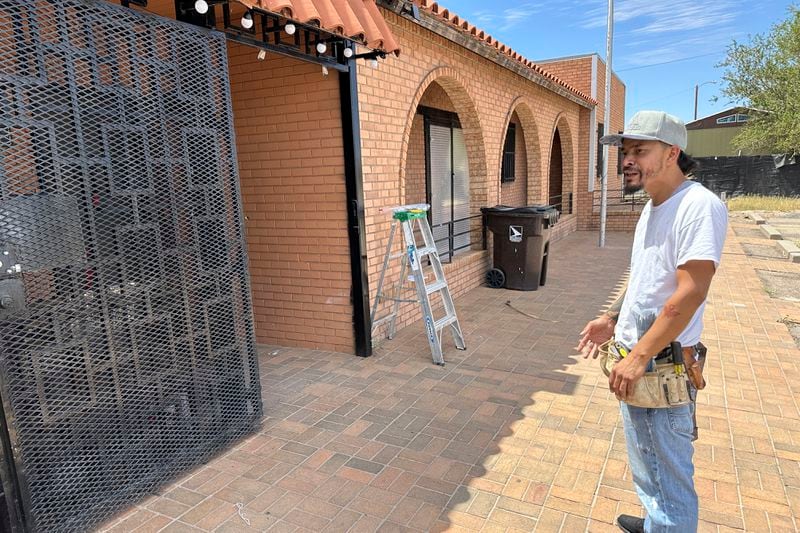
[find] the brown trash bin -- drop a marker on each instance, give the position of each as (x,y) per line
(521,245)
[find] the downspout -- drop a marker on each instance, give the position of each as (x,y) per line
(356,226)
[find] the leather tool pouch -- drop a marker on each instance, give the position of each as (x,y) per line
(695,368)
(659,388)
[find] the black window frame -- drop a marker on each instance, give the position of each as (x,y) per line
(599,164)
(508,162)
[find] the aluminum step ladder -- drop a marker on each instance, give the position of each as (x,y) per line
(413,219)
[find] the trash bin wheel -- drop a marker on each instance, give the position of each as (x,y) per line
(495,278)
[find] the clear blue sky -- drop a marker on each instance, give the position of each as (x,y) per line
(683,40)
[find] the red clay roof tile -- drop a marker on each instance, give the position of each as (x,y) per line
(451,18)
(359,20)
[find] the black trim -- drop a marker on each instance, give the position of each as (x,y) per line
(445,119)
(509,160)
(427,128)
(301,46)
(440,117)
(356,226)
(14,517)
(452,228)
(599,164)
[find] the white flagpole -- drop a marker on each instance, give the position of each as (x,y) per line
(606,125)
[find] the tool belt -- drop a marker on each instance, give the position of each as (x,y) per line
(668,384)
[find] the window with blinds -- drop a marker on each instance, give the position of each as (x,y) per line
(447,173)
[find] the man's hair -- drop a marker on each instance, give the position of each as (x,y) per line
(686,163)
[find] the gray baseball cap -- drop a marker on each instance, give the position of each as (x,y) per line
(651,126)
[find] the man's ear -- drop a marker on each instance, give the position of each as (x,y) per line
(674,153)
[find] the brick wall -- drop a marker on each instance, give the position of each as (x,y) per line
(575,71)
(435,96)
(415,192)
(415,164)
(515,192)
(486,97)
(617,121)
(578,72)
(616,220)
(287,121)
(289,139)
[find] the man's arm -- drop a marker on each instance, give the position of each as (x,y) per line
(599,330)
(613,311)
(694,279)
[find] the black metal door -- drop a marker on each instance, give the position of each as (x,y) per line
(127,352)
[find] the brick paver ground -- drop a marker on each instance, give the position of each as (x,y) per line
(515,434)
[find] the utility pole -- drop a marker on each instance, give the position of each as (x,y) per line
(697,92)
(606,126)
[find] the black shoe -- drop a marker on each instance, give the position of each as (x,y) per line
(630,524)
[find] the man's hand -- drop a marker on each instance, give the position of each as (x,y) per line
(594,334)
(625,374)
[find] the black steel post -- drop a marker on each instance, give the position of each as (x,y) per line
(356,227)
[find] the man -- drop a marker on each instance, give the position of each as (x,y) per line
(676,250)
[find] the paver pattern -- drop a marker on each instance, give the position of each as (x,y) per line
(517,433)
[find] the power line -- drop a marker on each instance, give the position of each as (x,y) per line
(666,62)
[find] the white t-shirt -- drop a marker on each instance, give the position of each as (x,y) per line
(690,225)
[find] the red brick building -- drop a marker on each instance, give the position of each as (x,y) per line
(184,179)
(587,73)
(316,246)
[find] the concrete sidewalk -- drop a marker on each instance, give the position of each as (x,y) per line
(515,434)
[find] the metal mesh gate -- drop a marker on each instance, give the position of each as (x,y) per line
(126,341)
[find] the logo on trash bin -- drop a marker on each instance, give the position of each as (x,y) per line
(515,233)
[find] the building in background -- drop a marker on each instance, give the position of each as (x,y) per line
(587,72)
(711,136)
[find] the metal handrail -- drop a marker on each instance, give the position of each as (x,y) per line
(451,236)
(558,202)
(617,198)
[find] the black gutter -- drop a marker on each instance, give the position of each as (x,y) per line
(356,227)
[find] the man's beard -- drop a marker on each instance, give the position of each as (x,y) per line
(631,188)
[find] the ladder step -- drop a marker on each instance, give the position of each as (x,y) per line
(444,321)
(391,299)
(426,250)
(436,286)
(381,320)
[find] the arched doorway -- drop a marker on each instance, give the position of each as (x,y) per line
(514,165)
(556,191)
(445,165)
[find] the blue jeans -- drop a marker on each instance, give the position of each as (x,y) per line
(660,453)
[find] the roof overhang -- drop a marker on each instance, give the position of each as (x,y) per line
(443,22)
(358,20)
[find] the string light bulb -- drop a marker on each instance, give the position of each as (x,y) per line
(247,20)
(348,52)
(322,48)
(201,6)
(290,28)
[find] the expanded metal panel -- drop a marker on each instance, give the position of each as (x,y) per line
(126,338)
